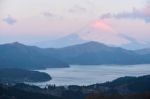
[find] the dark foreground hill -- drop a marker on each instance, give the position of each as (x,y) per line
(122,88)
(16,55)
(20,76)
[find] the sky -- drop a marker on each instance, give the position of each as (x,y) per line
(124,23)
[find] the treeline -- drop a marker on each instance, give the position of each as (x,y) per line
(122,88)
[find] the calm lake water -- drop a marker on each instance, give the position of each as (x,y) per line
(86,75)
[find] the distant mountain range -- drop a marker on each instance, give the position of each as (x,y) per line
(76,38)
(90,53)
(68,40)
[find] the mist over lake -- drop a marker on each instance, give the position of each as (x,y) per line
(91,74)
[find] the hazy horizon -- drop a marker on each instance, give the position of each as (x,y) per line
(34,21)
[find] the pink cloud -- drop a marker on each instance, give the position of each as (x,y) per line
(101,25)
(146,11)
(101,31)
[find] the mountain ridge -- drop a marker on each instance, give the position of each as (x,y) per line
(143,51)
(21,56)
(94,53)
(90,53)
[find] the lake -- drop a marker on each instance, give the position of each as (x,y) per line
(91,74)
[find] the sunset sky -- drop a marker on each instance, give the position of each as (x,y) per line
(113,22)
